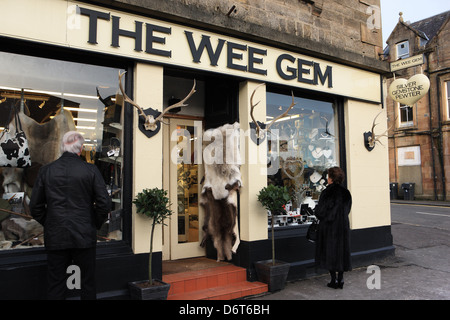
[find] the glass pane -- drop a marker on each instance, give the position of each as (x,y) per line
(187,187)
(301,147)
(403,114)
(406,114)
(54,97)
(409,113)
(403,50)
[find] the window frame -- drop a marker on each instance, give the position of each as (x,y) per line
(408,122)
(338,106)
(404,55)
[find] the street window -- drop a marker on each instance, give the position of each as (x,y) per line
(52,97)
(301,147)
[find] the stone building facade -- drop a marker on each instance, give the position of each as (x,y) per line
(419,137)
(348,30)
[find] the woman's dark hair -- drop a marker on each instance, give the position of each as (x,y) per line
(336,174)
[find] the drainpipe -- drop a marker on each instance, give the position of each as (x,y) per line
(441,151)
(440,146)
(395,151)
(427,54)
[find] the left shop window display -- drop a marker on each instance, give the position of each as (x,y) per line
(52,97)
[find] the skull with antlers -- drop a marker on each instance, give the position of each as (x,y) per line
(370,138)
(150,120)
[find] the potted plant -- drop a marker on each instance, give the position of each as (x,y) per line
(273,272)
(154,204)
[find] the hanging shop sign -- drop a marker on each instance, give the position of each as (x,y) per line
(409,91)
(407,63)
(87,27)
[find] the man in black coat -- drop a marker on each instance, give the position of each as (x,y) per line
(333,238)
(71,201)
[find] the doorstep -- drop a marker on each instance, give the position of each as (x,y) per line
(219,283)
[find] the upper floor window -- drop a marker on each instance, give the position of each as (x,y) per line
(402,50)
(406,115)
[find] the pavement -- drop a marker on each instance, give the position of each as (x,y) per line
(420,270)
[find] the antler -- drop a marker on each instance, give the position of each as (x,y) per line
(150,121)
(373,138)
(284,114)
(253,105)
(178,104)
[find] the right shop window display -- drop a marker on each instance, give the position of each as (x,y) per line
(301,147)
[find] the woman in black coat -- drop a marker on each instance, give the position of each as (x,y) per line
(333,239)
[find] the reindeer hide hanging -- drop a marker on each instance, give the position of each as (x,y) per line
(45,139)
(220,189)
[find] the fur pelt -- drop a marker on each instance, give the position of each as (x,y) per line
(220,189)
(12,179)
(333,238)
(44,140)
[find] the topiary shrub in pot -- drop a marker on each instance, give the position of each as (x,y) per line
(273,272)
(154,204)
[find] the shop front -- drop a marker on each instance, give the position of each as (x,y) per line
(63,74)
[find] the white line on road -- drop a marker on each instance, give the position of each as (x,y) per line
(434,214)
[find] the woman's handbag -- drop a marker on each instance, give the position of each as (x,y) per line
(311,234)
(14,150)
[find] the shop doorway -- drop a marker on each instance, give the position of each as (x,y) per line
(183,232)
(214,104)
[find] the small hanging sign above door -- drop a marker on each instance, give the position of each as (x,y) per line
(406,63)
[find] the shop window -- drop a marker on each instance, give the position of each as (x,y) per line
(402,50)
(301,147)
(51,98)
(406,115)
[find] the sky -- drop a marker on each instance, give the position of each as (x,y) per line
(413,10)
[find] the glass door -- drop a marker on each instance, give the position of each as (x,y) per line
(185,174)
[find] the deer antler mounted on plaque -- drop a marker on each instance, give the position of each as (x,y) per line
(370,138)
(260,127)
(150,119)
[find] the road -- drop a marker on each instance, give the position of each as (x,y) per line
(422,235)
(436,217)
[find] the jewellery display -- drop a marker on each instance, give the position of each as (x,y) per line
(301,146)
(300,216)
